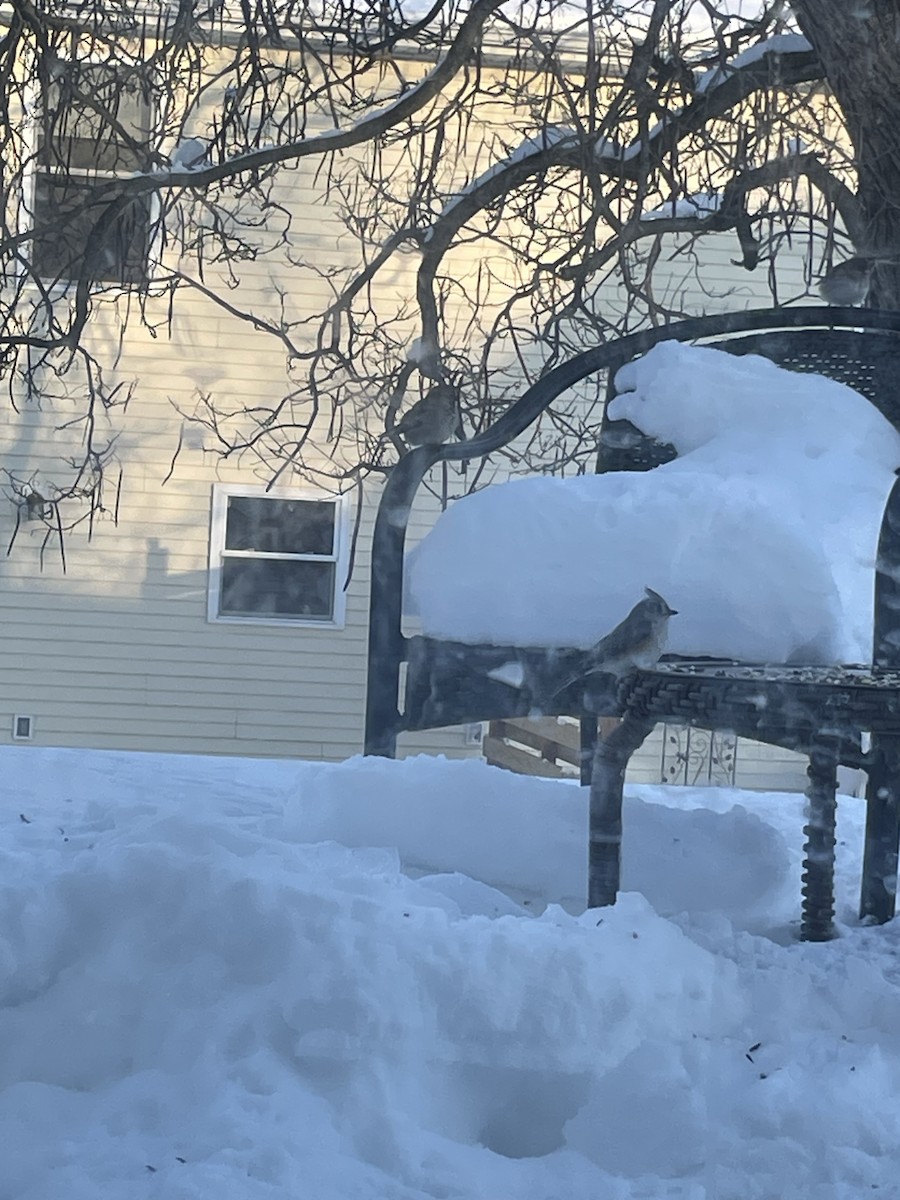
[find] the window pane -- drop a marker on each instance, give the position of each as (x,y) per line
(101,153)
(96,120)
(64,219)
(280,526)
(271,587)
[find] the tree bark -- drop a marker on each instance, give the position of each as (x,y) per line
(857,44)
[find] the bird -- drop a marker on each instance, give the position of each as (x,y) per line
(432,420)
(847,283)
(35,505)
(55,66)
(189,155)
(636,642)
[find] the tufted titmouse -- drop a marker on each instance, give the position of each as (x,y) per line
(847,283)
(636,642)
(432,420)
(190,155)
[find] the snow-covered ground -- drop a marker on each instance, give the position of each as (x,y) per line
(237,980)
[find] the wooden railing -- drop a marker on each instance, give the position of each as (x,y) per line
(545,746)
(551,748)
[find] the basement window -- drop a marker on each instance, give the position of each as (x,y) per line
(277,556)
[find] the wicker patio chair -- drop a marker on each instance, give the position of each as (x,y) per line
(820,711)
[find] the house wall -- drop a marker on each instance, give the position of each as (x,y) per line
(118,652)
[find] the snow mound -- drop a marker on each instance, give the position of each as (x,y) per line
(439,824)
(762,533)
(194,996)
(223,979)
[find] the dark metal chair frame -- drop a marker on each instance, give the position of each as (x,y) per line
(821,712)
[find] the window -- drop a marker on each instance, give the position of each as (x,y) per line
(277,556)
(96,126)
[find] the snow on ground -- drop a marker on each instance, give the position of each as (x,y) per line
(372,980)
(762,533)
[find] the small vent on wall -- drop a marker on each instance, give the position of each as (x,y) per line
(22,728)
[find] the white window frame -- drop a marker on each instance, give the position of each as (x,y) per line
(341,556)
(62,285)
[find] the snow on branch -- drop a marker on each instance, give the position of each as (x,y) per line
(527,155)
(560,146)
(777,46)
(368,128)
(701,204)
(717,212)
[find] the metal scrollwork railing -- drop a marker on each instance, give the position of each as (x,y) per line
(698,757)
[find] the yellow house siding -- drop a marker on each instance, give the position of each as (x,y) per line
(119,653)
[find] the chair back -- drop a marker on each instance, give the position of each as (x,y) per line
(867,360)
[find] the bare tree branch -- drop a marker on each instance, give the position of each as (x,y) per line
(480,181)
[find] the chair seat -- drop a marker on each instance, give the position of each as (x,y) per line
(456,683)
(781,705)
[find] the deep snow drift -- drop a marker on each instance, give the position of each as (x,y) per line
(247,980)
(762,534)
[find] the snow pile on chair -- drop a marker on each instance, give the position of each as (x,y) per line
(762,533)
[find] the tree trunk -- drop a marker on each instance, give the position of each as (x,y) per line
(860,55)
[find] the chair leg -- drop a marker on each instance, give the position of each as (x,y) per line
(817,922)
(592,729)
(588,747)
(611,755)
(879,875)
